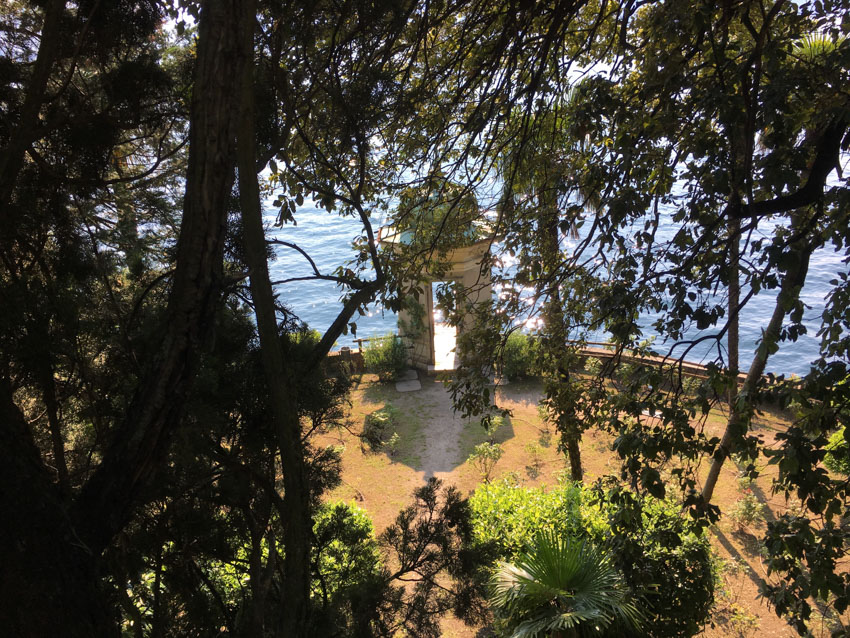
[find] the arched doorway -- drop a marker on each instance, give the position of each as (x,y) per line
(428,332)
(445,333)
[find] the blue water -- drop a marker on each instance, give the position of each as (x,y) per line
(327,238)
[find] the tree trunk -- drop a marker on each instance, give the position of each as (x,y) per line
(732,336)
(739,413)
(140,443)
(298,526)
(556,336)
(57,441)
(25,131)
(574,455)
(50,548)
(733,341)
(49,581)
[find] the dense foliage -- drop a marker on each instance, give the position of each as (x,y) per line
(345,551)
(379,426)
(657,551)
(837,457)
(519,356)
(159,403)
(693,165)
(484,457)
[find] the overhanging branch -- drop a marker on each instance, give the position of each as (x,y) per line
(826,159)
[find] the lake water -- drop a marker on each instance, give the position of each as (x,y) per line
(327,238)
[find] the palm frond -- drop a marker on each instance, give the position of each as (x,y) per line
(815,46)
(562,584)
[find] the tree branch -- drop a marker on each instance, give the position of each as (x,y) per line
(826,159)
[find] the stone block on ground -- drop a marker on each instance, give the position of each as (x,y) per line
(408,386)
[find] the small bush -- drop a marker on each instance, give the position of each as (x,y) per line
(631,376)
(837,457)
(392,444)
(519,356)
(747,510)
(385,356)
(535,459)
(544,432)
(691,385)
(742,622)
(378,427)
(745,484)
(484,457)
(727,572)
(491,425)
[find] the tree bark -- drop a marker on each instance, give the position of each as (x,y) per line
(574,455)
(57,441)
(140,443)
(733,332)
(298,526)
(556,336)
(50,548)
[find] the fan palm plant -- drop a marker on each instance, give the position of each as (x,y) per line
(562,588)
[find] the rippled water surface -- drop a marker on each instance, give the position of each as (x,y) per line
(327,238)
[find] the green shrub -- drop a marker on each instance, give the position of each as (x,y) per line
(837,457)
(519,356)
(691,385)
(509,516)
(544,436)
(662,561)
(385,356)
(632,376)
(345,551)
(745,484)
(747,510)
(742,622)
(535,458)
(379,426)
(491,425)
(484,457)
(393,443)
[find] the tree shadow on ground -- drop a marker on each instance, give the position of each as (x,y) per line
(433,438)
(374,391)
(735,554)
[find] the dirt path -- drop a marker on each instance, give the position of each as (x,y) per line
(441,453)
